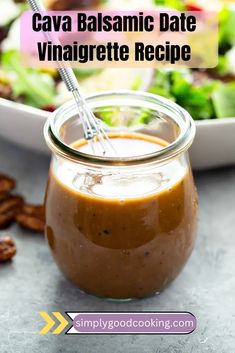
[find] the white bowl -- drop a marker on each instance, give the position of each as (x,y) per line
(214,144)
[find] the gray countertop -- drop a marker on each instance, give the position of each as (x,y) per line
(206,287)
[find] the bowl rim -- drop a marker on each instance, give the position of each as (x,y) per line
(9,104)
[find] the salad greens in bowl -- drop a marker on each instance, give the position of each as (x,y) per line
(28,94)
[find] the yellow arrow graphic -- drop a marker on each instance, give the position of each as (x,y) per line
(63,323)
(49,321)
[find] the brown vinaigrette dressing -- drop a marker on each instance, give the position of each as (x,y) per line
(122,238)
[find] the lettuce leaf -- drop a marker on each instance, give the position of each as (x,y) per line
(226,29)
(178,86)
(195,99)
(37,88)
(86,72)
(224,100)
(161,84)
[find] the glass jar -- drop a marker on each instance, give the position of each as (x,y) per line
(122,227)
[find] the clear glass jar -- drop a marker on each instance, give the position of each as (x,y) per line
(122,227)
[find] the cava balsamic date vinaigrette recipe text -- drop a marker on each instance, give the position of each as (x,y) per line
(117,23)
(113,51)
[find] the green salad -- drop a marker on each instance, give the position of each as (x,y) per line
(205,94)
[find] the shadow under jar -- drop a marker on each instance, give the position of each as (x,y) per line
(122,227)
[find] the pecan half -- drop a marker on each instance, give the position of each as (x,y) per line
(9,207)
(12,202)
(7,249)
(30,222)
(3,195)
(12,208)
(6,219)
(31,217)
(34,210)
(6,183)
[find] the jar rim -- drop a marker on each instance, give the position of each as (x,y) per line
(182,118)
